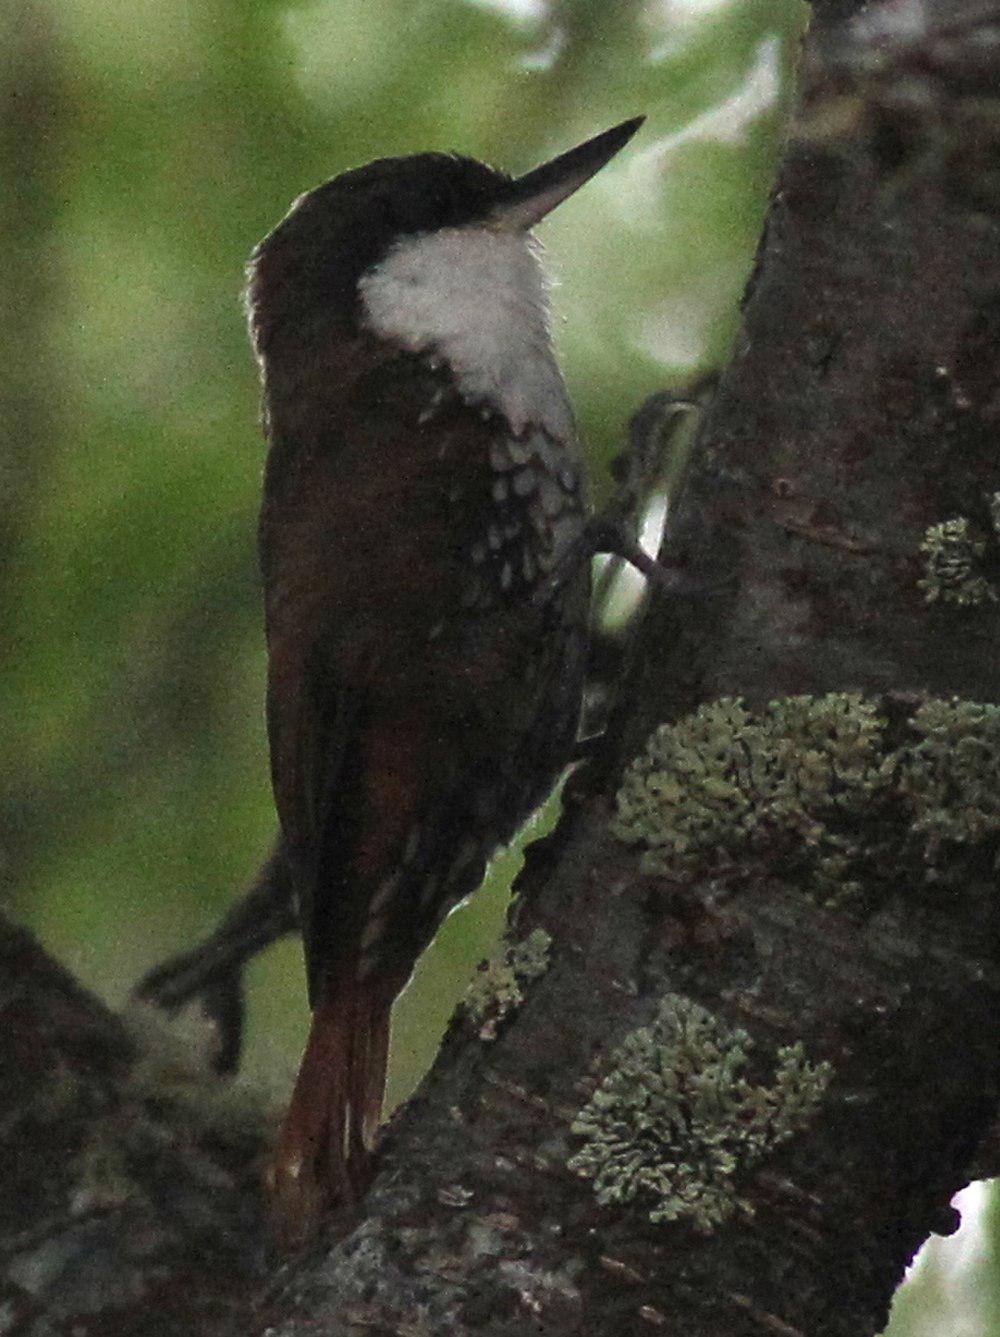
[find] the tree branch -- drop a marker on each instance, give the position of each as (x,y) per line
(131,1200)
(739,1052)
(859,412)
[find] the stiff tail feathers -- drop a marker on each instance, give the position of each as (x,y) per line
(322,1161)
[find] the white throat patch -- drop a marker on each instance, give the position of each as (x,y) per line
(477,299)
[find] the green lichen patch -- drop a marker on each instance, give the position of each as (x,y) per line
(724,783)
(814,785)
(952,553)
(498,988)
(950,774)
(676,1123)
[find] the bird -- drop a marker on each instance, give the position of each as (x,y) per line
(426,593)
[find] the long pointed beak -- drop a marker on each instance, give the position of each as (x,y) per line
(537,193)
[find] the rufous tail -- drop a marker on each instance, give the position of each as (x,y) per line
(322,1161)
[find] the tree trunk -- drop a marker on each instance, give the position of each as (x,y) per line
(740,1052)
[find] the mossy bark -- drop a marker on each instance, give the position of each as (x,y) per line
(861,408)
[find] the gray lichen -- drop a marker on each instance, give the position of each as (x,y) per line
(498,988)
(952,554)
(676,1122)
(993,503)
(814,783)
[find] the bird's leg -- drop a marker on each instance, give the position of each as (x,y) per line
(613,536)
(613,530)
(212,972)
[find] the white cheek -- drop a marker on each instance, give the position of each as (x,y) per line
(477,298)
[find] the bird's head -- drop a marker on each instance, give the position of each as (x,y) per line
(409,248)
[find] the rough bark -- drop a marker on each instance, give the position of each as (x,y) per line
(859,413)
(131,1200)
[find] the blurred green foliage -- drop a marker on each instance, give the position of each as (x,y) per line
(143,150)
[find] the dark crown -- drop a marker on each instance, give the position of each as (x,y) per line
(310,264)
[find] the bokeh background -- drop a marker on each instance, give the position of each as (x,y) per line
(144,148)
